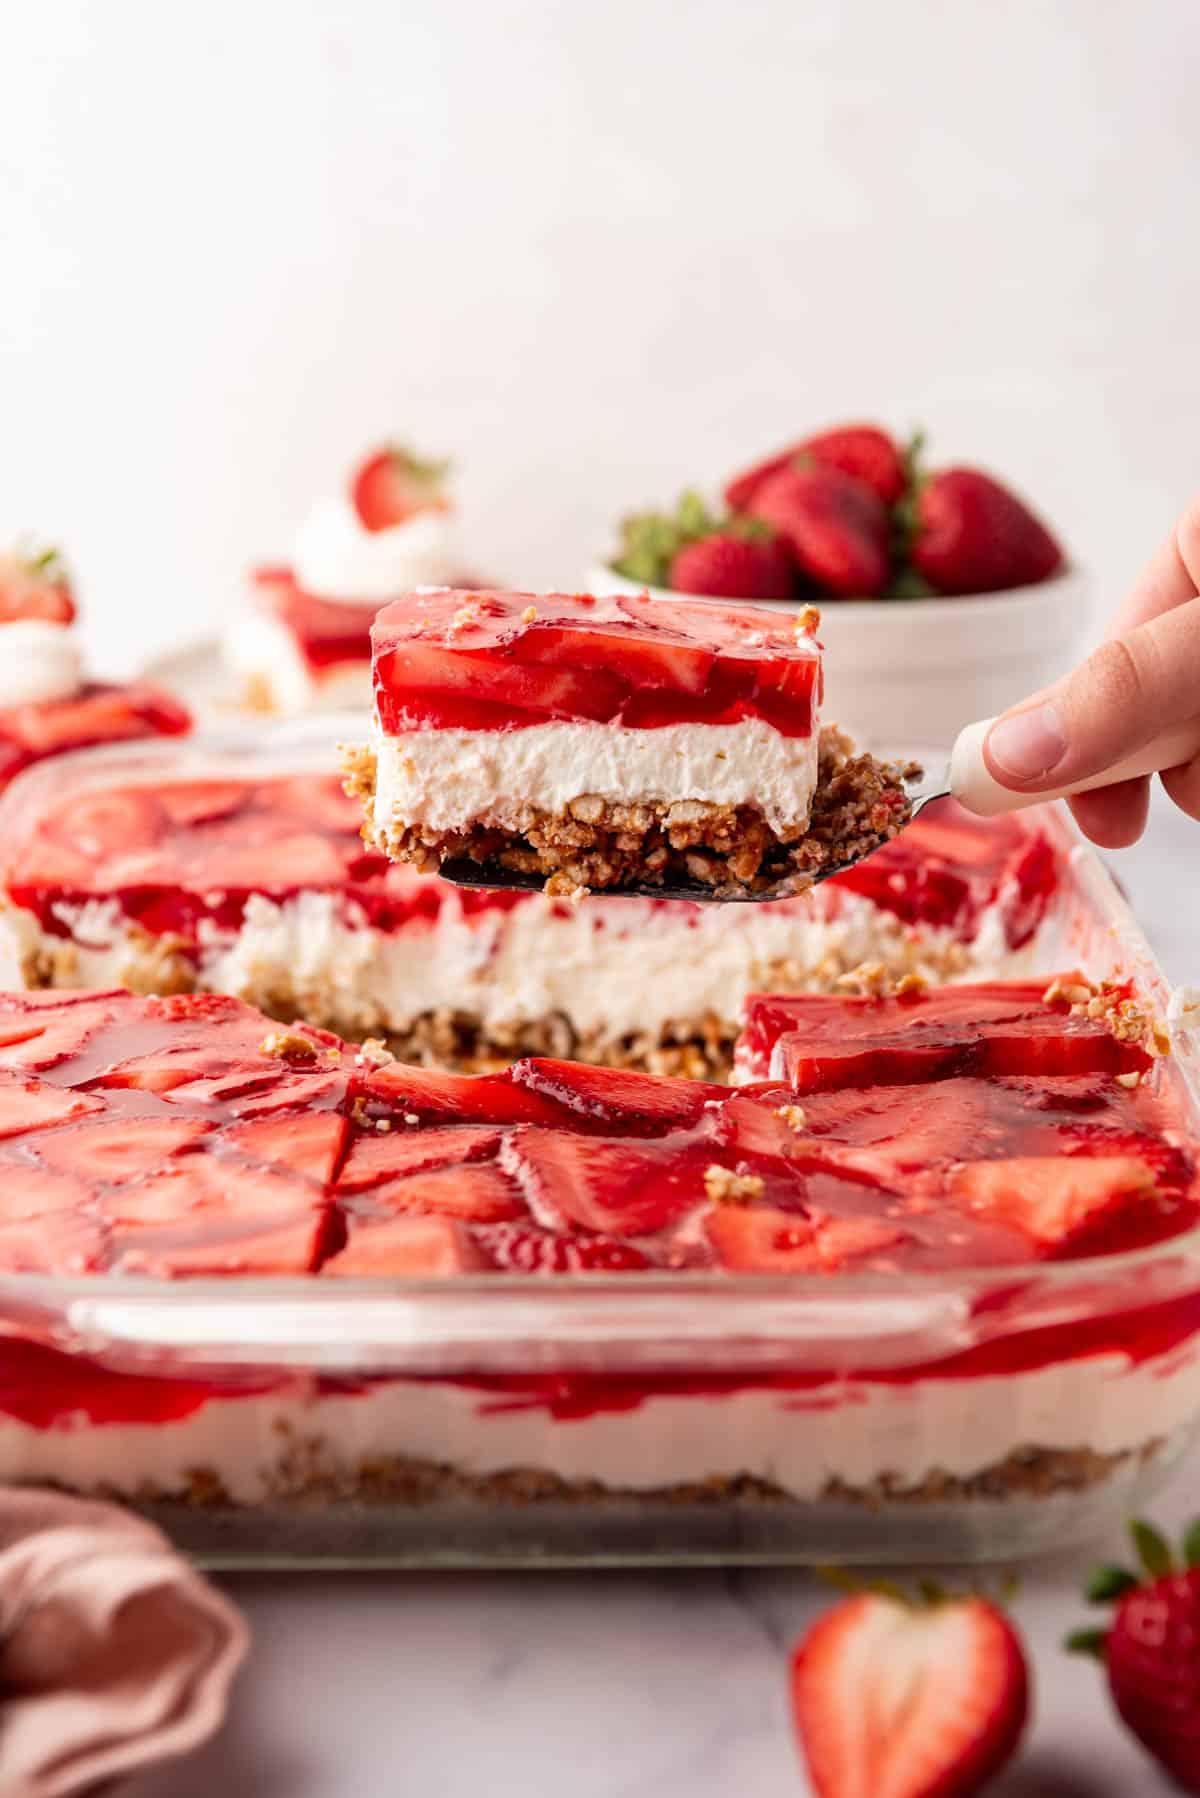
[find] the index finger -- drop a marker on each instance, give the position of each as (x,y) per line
(1171,579)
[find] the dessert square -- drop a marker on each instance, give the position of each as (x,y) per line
(606,743)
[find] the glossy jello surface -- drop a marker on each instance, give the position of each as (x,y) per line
(190,1136)
(456,660)
(327,632)
(97,714)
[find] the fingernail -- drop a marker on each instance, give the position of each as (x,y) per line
(1027,745)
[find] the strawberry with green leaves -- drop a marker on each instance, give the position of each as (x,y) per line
(34,584)
(393,484)
(691,550)
(1151,1647)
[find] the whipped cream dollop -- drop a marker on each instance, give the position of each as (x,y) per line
(39,661)
(336,557)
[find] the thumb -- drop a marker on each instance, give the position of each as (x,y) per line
(1130,690)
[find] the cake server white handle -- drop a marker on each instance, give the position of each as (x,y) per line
(974,786)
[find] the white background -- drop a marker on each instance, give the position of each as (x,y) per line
(593,250)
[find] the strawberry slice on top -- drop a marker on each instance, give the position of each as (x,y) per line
(393,484)
(35,585)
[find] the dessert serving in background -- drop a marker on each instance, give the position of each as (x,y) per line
(235,864)
(47,703)
(895,548)
(301,640)
(610,743)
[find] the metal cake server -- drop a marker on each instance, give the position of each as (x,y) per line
(965,777)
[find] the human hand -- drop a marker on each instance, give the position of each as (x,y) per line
(1142,681)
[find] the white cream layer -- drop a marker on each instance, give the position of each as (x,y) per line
(446,778)
(336,557)
(265,658)
(39,661)
(853,1432)
(611,968)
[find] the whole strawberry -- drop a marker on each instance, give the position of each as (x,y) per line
(867,452)
(34,584)
(971,535)
(726,566)
(1151,1650)
(912,1699)
(392,485)
(836,527)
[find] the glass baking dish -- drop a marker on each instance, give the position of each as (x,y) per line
(599,1420)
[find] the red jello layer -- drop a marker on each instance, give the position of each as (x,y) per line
(456,660)
(191,1136)
(328,633)
(98,713)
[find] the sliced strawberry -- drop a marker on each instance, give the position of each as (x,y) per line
(909,1701)
(409,1248)
(214,1185)
(110,821)
(525,1249)
(320,799)
(120,1148)
(35,1105)
(759,1239)
(395,1154)
(398,1092)
(478,1193)
(27,1191)
(280,1092)
(99,714)
(309,1143)
(419,670)
(1057,1200)
(42,1035)
(203,801)
(169,1071)
(617,1096)
(641,658)
(393,484)
(59,1242)
(616,1187)
(35,585)
(268,1245)
(282,864)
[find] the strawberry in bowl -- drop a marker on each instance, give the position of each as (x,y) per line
(301,642)
(894,550)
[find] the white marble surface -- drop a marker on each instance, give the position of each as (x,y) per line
(624,1686)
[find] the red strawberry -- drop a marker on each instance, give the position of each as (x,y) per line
(864,451)
(203,801)
(34,1105)
(207,1184)
(478,1193)
(726,566)
(396,1154)
(308,1143)
(37,586)
(836,528)
(908,1700)
(120,1148)
(400,1092)
(391,485)
(42,1033)
(58,1242)
(974,536)
(617,1096)
(617,1188)
(758,1239)
(409,1248)
(27,1191)
(275,1244)
(305,859)
(98,714)
(1151,1651)
(524,1249)
(104,823)
(1058,1200)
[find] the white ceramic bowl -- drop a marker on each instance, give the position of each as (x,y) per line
(917,670)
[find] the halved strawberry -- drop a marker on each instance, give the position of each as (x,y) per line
(35,585)
(526,1249)
(478,1193)
(59,1242)
(275,1244)
(393,484)
(395,1154)
(616,1187)
(409,1248)
(911,1701)
(617,1096)
(34,1036)
(27,1191)
(1057,1200)
(308,1143)
(35,1105)
(120,1148)
(108,821)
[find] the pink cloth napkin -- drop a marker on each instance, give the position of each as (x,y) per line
(114,1652)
